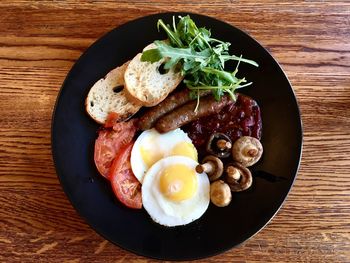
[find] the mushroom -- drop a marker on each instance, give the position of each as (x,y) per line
(219,144)
(220,193)
(238,177)
(212,166)
(247,150)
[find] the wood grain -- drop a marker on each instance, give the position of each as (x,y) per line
(40,41)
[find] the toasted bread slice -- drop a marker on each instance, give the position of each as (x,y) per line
(146,83)
(108,95)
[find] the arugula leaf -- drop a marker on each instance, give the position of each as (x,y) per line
(173,36)
(200,57)
(233,57)
(221,74)
(184,53)
(151,55)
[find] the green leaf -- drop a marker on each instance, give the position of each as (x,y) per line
(221,74)
(200,58)
(233,57)
(168,51)
(151,55)
(174,38)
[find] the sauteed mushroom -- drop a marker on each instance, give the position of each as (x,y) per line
(247,150)
(212,166)
(219,145)
(238,177)
(232,173)
(220,193)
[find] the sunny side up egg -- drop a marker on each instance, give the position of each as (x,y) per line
(152,146)
(173,193)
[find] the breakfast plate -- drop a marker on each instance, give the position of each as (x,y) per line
(74,133)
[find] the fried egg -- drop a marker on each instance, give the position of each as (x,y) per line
(173,193)
(152,146)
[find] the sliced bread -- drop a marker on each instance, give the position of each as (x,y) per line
(108,95)
(147,83)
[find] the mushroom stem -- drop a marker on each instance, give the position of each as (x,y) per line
(212,166)
(244,180)
(252,152)
(247,150)
(222,144)
(207,167)
(233,173)
(219,145)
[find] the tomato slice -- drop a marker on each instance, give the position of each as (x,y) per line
(125,185)
(109,142)
(112,118)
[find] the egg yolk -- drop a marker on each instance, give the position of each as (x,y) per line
(185,149)
(150,157)
(178,182)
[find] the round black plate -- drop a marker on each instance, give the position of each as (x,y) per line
(219,229)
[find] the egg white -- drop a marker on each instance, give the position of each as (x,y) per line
(171,213)
(161,144)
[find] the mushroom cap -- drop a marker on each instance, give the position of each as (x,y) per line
(247,150)
(220,193)
(245,180)
(218,167)
(213,149)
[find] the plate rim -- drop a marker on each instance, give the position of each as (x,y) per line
(95,228)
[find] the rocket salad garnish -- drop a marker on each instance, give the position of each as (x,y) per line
(200,58)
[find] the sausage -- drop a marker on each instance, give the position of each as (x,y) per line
(185,114)
(173,101)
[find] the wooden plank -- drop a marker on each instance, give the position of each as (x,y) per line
(41,40)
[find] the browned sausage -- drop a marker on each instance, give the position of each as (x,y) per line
(173,101)
(185,114)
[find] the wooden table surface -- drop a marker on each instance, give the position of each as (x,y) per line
(41,40)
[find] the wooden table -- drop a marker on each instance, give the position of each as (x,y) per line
(40,41)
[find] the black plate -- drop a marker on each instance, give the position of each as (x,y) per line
(219,229)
